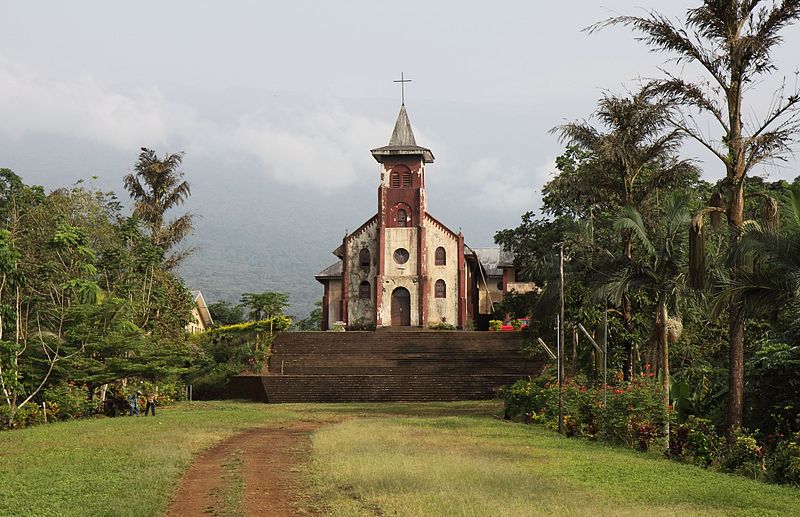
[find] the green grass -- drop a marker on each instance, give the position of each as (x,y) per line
(392,459)
(478,466)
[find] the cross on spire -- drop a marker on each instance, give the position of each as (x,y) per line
(402,82)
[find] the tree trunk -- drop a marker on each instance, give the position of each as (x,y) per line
(736,320)
(627,306)
(735,368)
(627,321)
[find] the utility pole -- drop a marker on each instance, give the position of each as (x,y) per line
(561,343)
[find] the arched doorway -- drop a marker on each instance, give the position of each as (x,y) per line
(401,307)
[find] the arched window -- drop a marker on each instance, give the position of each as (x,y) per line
(406,179)
(394,181)
(363,258)
(440,257)
(364,292)
(402,218)
(439,289)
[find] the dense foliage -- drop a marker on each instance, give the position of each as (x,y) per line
(715,309)
(90,310)
(228,350)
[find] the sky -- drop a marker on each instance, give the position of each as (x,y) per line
(277,104)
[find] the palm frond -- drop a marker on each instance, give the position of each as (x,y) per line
(632,220)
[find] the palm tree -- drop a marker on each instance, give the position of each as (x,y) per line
(768,264)
(732,42)
(634,158)
(660,270)
(156,187)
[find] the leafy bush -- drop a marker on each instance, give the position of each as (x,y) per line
(276,324)
(633,416)
(66,401)
(443,326)
(230,350)
(495,324)
(783,465)
(25,416)
(744,456)
(696,441)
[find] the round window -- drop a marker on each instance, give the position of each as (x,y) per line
(401,255)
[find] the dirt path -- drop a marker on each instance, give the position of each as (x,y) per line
(252,473)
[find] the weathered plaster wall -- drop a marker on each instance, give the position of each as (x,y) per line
(361,312)
(494,292)
(400,275)
(441,309)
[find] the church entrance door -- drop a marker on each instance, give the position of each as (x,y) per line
(401,307)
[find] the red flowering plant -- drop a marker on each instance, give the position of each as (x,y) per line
(633,416)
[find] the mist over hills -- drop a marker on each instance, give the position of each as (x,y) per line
(255,232)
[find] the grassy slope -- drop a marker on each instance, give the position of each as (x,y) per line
(406,459)
(119,466)
(477,466)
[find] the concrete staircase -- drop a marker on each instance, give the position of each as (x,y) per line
(387,366)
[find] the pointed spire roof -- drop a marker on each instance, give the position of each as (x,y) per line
(402,134)
(402,141)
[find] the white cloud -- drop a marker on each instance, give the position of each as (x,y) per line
(315,144)
(33,103)
(322,146)
(493,185)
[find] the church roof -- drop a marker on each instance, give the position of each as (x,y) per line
(402,141)
(494,260)
(333,271)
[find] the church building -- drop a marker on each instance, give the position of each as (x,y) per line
(403,267)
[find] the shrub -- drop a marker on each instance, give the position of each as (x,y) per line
(744,456)
(495,324)
(66,401)
(783,465)
(696,441)
(230,350)
(443,326)
(633,416)
(25,416)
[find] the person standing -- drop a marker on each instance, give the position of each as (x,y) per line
(133,401)
(151,403)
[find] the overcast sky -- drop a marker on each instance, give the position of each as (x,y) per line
(283,100)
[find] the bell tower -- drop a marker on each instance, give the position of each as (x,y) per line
(401,280)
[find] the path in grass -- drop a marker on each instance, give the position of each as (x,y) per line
(433,459)
(251,473)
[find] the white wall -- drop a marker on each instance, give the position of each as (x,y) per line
(362,312)
(439,308)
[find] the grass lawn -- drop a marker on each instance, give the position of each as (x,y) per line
(392,459)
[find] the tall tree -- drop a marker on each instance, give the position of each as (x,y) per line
(156,187)
(732,42)
(225,313)
(659,269)
(265,305)
(633,155)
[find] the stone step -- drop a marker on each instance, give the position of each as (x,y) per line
(414,365)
